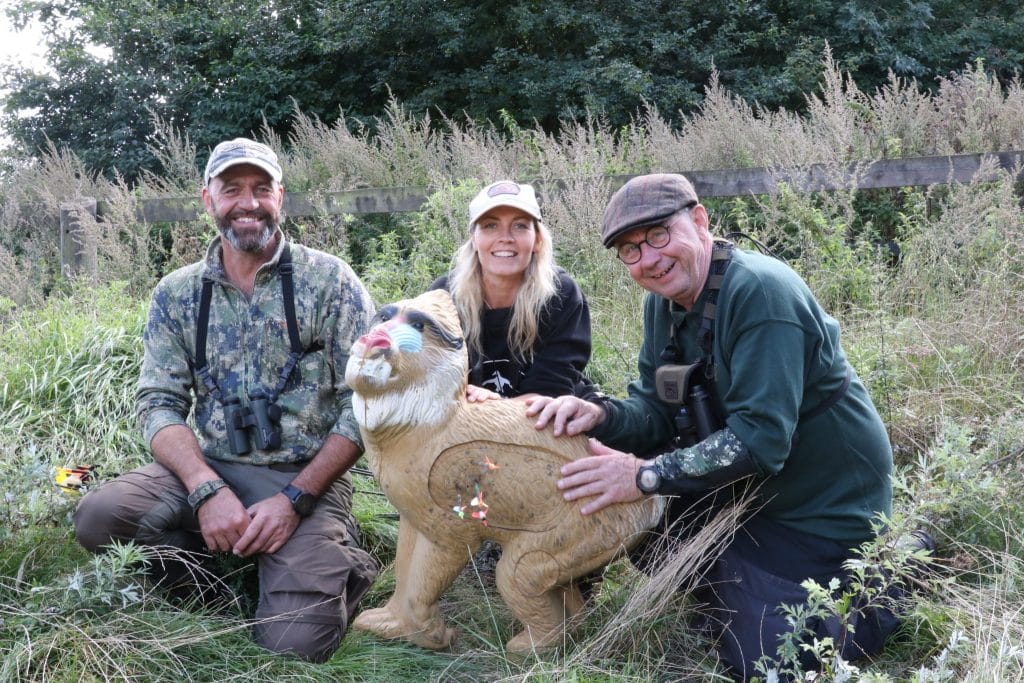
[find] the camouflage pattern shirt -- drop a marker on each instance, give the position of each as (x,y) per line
(247,346)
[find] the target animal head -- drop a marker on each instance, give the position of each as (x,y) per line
(411,366)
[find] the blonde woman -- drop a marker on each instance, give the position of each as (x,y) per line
(526,322)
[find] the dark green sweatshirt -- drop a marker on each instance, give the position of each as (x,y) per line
(777,355)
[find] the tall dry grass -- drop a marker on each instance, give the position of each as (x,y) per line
(969,112)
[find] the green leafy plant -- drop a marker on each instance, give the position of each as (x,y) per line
(424,245)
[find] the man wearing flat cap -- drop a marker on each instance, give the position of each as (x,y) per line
(253,340)
(743,386)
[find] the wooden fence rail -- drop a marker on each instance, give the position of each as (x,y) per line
(79,256)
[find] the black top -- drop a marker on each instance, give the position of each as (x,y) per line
(560,353)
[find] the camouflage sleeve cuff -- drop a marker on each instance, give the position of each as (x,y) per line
(718,459)
(157,420)
(347,427)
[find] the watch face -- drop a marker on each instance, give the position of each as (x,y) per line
(648,480)
(304,504)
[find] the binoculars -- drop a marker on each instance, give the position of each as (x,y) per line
(696,420)
(258,422)
(683,385)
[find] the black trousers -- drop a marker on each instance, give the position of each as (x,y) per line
(759,571)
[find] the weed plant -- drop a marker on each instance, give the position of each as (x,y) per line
(66,398)
(927,283)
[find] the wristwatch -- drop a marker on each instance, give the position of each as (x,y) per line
(302,502)
(599,398)
(204,492)
(648,480)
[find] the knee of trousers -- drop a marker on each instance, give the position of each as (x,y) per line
(312,641)
(146,505)
(94,520)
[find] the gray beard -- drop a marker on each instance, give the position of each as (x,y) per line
(250,243)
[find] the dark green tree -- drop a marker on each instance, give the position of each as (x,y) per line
(212,69)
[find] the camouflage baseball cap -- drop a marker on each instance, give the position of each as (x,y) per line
(645,200)
(241,151)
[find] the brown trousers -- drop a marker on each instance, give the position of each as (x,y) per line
(309,588)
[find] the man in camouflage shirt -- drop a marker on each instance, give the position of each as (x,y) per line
(281,495)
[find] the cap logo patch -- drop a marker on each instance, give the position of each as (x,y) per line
(502,188)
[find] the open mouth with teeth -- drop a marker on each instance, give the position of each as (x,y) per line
(658,276)
(249,218)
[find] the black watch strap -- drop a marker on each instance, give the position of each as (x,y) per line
(204,492)
(302,502)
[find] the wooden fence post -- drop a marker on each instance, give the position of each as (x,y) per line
(78,241)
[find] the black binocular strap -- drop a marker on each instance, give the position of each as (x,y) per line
(822,407)
(203,323)
(721,257)
(288,294)
(831,400)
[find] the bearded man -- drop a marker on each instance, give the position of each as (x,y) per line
(253,340)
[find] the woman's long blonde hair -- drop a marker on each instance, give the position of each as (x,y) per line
(540,284)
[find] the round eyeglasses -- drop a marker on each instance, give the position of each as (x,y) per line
(657,237)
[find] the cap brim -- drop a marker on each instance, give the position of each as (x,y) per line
(273,172)
(526,208)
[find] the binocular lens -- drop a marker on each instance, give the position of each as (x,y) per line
(261,416)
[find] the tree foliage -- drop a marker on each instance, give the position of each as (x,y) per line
(221,69)
(212,69)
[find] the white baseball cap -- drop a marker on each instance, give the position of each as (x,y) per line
(241,151)
(504,193)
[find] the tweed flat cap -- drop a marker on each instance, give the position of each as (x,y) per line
(645,200)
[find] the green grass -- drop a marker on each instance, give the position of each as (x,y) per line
(946,386)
